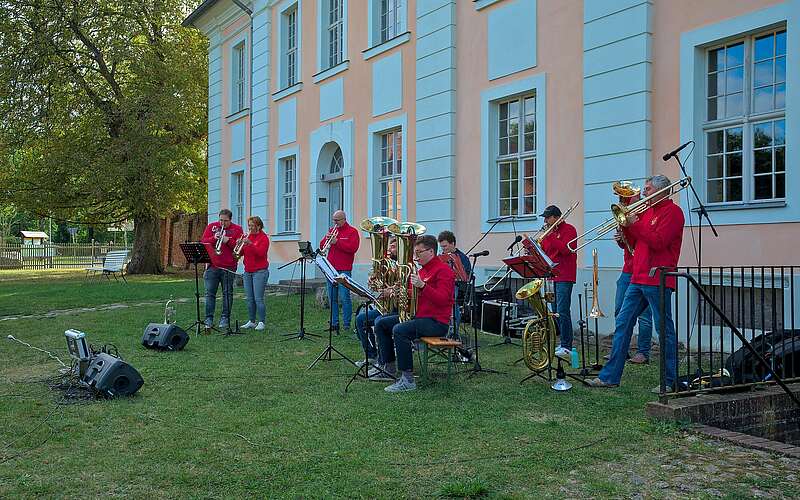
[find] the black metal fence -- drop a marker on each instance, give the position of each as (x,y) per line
(736,327)
(53,256)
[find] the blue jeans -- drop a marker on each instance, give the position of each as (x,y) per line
(645,319)
(367,338)
(212,278)
(563,292)
(404,334)
(637,299)
(341,294)
(254,285)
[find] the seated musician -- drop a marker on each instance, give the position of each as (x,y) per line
(434,284)
(367,338)
(447,242)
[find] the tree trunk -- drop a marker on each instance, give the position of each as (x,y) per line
(146,256)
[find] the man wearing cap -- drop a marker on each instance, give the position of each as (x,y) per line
(555,246)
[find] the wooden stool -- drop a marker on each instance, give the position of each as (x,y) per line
(438,346)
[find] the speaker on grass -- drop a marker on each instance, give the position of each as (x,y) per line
(111,376)
(164,337)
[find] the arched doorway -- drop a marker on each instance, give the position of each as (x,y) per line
(335,182)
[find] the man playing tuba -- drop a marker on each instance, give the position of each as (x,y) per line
(367,338)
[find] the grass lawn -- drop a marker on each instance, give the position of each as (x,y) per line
(243,417)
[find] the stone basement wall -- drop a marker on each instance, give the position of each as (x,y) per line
(177,229)
(765,418)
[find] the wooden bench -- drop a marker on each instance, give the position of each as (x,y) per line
(437,346)
(113,264)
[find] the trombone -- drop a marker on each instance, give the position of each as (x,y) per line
(620,212)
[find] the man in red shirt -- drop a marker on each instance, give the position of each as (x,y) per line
(223,266)
(645,320)
(342,241)
(435,284)
(555,246)
(657,234)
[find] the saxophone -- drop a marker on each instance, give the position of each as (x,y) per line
(539,337)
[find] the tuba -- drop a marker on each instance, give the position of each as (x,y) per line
(539,337)
(406,233)
(382,275)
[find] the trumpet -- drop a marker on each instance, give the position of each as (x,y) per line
(237,250)
(220,235)
(332,233)
(621,212)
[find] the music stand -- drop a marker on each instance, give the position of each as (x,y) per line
(196,253)
(306,253)
(334,278)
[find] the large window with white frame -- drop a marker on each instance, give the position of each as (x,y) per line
(390,180)
(515,158)
(239,78)
(390,19)
(290,55)
(237,197)
(335,32)
(744,126)
(288,220)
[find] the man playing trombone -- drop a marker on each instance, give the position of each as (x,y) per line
(555,246)
(657,235)
(340,245)
(220,238)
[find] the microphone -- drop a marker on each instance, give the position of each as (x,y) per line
(669,155)
(480,254)
(516,240)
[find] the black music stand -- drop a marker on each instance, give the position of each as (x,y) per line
(196,253)
(305,254)
(340,280)
(228,330)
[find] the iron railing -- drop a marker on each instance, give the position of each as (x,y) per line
(53,256)
(735,328)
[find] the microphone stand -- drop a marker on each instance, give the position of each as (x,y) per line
(476,366)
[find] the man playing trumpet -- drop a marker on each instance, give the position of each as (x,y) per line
(220,238)
(341,243)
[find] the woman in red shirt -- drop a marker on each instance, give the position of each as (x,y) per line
(256,271)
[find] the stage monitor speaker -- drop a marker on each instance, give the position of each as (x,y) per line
(111,376)
(164,337)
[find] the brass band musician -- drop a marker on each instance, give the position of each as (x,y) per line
(341,244)
(371,315)
(220,238)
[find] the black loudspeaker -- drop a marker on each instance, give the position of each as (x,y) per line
(111,376)
(164,337)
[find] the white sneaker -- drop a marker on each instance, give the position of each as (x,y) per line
(402,385)
(260,326)
(563,351)
(379,374)
(248,325)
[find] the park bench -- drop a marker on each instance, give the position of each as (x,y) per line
(437,346)
(113,264)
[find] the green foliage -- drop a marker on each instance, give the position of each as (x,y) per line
(104,106)
(473,488)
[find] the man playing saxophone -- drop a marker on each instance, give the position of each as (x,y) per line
(657,234)
(341,242)
(555,246)
(220,235)
(435,285)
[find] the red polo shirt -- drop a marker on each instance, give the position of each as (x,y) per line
(226,260)
(435,299)
(555,246)
(342,253)
(658,234)
(255,254)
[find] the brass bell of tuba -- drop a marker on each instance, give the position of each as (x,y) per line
(382,275)
(406,233)
(539,337)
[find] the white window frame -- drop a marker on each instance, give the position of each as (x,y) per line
(375,18)
(519,159)
(330,35)
(748,121)
(237,197)
(390,19)
(289,72)
(490,112)
(390,173)
(289,195)
(282,233)
(239,67)
(375,132)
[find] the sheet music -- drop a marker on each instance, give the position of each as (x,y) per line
(327,269)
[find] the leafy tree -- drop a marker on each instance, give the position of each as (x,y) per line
(104,106)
